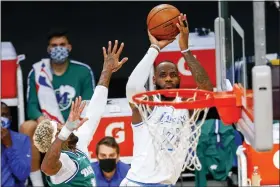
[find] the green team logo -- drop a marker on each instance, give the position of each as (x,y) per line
(64,96)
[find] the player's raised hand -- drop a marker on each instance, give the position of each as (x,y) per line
(184,32)
(111,57)
(160,43)
(74,120)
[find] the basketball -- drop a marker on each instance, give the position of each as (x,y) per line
(161,22)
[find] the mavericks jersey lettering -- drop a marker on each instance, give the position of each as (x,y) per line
(84,176)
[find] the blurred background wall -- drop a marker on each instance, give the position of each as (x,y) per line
(92,24)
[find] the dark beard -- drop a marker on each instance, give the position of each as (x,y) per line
(163,98)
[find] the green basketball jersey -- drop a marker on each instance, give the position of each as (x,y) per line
(84,176)
(76,81)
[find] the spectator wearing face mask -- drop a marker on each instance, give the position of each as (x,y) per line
(52,84)
(15,153)
(109,170)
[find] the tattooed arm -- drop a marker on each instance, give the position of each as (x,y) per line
(51,163)
(198,72)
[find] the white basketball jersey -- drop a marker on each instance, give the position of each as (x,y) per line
(155,159)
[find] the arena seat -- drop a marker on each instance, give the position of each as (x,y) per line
(11,79)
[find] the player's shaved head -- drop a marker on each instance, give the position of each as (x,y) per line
(165,64)
(166,75)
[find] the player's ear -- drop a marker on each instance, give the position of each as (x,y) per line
(154,79)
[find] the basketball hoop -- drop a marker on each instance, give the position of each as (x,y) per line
(228,105)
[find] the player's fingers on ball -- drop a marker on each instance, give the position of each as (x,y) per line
(185,23)
(172,40)
(179,27)
(109,47)
(115,46)
(120,49)
(181,21)
(179,17)
(104,51)
(148,32)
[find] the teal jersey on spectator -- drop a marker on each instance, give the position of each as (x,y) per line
(78,80)
(84,176)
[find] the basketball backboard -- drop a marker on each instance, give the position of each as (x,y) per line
(255,80)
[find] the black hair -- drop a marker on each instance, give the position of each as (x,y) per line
(108,141)
(57,33)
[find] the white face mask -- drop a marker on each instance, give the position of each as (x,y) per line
(59,54)
(54,125)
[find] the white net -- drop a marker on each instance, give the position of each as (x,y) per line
(175,134)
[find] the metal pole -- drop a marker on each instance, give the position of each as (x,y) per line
(259,32)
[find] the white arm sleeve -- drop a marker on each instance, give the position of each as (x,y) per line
(94,113)
(140,75)
(67,170)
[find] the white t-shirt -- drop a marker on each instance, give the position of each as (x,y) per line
(166,169)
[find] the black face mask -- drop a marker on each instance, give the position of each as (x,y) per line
(107,165)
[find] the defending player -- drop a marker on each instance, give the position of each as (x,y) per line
(66,162)
(156,162)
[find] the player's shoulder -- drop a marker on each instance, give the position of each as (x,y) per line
(95,165)
(123,168)
(123,165)
(80,66)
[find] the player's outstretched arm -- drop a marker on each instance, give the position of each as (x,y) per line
(51,163)
(198,72)
(98,101)
(139,76)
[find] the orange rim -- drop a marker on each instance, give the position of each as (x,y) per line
(204,99)
(228,104)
